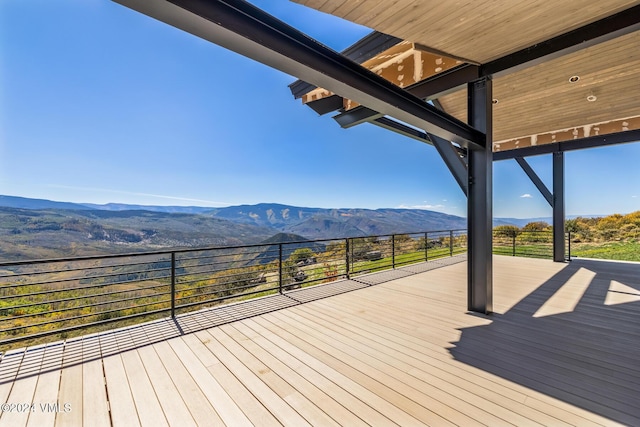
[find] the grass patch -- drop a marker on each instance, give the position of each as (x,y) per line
(623,251)
(386,263)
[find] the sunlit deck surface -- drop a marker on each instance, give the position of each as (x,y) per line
(563,348)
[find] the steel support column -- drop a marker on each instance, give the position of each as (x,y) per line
(558,207)
(480,200)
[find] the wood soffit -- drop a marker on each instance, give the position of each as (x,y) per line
(533,106)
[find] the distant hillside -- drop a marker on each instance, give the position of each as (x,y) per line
(52,233)
(26,203)
(167,209)
(318,223)
(266,214)
(37,228)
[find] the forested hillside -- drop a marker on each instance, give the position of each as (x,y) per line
(613,227)
(27,234)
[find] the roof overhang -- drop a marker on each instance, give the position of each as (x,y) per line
(532,50)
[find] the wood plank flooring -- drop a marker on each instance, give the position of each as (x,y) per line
(562,349)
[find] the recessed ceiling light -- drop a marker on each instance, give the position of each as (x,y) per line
(495,101)
(574,79)
(592,98)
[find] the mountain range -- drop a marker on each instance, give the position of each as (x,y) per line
(38,228)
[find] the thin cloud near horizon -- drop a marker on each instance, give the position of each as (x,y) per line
(421,207)
(131,193)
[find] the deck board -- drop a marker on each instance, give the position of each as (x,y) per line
(173,406)
(199,388)
(246,401)
(148,407)
(251,342)
(71,385)
(188,392)
(48,386)
(22,392)
(343,389)
(122,406)
(397,348)
(95,410)
(265,394)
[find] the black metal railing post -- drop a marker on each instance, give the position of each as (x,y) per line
(426,246)
(352,258)
(173,284)
(280,267)
(513,245)
(346,258)
(393,251)
(569,245)
(450,242)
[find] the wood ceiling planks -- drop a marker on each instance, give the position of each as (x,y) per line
(478,31)
(541,99)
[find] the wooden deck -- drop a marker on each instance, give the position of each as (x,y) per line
(563,348)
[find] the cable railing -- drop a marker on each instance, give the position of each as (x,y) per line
(59,297)
(527,243)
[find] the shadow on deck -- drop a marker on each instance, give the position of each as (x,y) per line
(575,338)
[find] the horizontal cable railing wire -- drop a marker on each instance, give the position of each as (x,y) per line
(54,297)
(525,243)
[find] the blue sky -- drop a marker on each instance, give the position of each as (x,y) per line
(101,104)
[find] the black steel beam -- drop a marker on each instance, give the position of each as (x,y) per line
(558,207)
(430,88)
(437,104)
(402,129)
(619,24)
(479,202)
(326,105)
(356,116)
(533,176)
(445,82)
(364,49)
(243,28)
(574,144)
